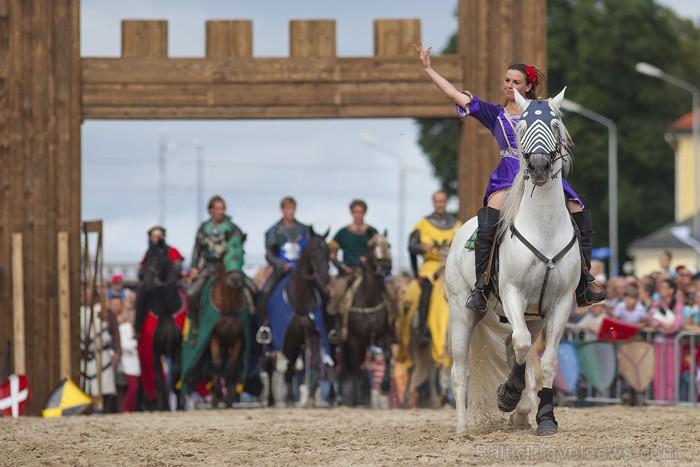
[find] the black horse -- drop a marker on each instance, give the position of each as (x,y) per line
(306,291)
(366,319)
(160,296)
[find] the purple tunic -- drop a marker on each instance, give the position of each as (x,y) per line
(493,117)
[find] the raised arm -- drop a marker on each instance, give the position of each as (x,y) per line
(441,83)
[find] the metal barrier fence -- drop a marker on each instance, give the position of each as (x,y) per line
(686,390)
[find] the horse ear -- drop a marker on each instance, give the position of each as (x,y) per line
(328,230)
(558,99)
(311,229)
(520,100)
(244,237)
(385,233)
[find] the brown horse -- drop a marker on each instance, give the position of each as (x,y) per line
(367,319)
(230,338)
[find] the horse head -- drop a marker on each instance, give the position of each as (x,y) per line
(233,261)
(317,253)
(158,270)
(379,254)
(541,135)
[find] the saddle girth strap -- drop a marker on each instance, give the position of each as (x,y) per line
(346,304)
(549,262)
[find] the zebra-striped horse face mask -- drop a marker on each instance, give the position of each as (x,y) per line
(539,136)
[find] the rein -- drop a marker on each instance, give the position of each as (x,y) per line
(549,262)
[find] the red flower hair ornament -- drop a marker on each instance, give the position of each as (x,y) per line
(531,74)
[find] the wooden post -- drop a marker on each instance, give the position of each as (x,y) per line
(312,38)
(64,306)
(229,39)
(145,39)
(20,366)
(395,37)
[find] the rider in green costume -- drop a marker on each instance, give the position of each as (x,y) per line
(207,255)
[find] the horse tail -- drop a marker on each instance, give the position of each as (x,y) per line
(488,367)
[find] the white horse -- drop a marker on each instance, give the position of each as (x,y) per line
(539,266)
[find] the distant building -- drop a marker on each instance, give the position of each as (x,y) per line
(675,237)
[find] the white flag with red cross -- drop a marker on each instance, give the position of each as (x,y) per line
(14,394)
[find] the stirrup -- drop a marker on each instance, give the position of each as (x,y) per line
(264,335)
(477,301)
(588,297)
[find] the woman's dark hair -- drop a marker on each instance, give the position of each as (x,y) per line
(671,283)
(539,78)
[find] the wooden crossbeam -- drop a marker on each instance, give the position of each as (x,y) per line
(267,87)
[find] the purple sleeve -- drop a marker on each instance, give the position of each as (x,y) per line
(484,112)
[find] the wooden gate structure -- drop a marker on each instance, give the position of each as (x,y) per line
(47,90)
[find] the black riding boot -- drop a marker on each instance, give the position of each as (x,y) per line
(426,288)
(585,295)
(488,222)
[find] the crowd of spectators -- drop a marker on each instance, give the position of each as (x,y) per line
(660,305)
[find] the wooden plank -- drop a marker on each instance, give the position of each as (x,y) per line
(229,39)
(18,332)
(260,70)
(73,113)
(121,112)
(64,306)
(300,94)
(5,177)
(144,39)
(312,38)
(395,37)
(92,226)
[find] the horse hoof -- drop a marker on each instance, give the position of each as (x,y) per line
(423,341)
(505,402)
(546,428)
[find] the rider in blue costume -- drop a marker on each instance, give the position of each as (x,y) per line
(501,121)
(284,243)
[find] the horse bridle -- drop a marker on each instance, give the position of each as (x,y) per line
(554,156)
(377,257)
(315,276)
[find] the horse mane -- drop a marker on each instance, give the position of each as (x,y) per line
(515,193)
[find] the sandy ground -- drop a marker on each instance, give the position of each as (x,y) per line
(283,437)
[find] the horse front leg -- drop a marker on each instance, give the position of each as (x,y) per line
(546,423)
(230,372)
(217,365)
(510,392)
(313,363)
(461,326)
(520,418)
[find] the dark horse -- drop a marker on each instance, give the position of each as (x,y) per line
(232,331)
(305,291)
(159,299)
(366,319)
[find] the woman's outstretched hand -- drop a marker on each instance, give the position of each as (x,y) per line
(423,55)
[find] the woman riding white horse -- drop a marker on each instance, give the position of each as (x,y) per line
(538,271)
(501,121)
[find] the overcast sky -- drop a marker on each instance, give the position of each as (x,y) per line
(253,164)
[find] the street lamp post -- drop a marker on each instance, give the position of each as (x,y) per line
(371,142)
(651,70)
(166,148)
(612,177)
(199,147)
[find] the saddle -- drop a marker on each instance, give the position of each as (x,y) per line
(491,279)
(346,306)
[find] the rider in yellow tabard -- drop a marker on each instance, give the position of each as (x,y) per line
(431,239)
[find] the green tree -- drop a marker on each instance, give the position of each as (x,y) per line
(593,46)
